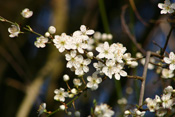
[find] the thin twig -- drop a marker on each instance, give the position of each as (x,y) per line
(148,55)
(167,40)
(126,30)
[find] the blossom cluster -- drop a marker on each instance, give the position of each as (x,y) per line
(161,105)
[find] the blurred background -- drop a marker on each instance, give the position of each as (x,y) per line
(29,76)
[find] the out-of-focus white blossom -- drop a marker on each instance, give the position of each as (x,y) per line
(26,13)
(150,66)
(60,94)
(122,101)
(14,30)
(166,73)
(103,110)
(167,7)
(170,60)
(41,42)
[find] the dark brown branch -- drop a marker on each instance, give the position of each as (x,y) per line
(126,30)
(167,40)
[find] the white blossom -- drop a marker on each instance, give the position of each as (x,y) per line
(166,101)
(170,60)
(62,42)
(168,89)
(119,72)
(166,73)
(93,81)
(41,42)
(14,30)
(77,43)
(151,104)
(139,113)
(110,68)
(167,7)
(83,32)
(60,94)
(105,51)
(71,59)
(77,82)
(82,65)
(26,13)
(103,110)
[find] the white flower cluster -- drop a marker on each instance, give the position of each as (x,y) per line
(167,7)
(162,104)
(103,110)
(114,58)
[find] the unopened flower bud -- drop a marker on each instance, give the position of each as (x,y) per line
(47,34)
(66,78)
(52,29)
(62,107)
(90,54)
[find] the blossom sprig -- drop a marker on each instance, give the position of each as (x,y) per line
(161,105)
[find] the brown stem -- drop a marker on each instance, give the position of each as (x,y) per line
(148,55)
(126,30)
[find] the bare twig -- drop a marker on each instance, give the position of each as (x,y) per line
(167,40)
(137,13)
(126,30)
(148,55)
